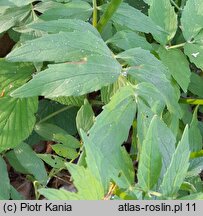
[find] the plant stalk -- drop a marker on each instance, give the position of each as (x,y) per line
(175,5)
(176,46)
(191,101)
(94,21)
(110,10)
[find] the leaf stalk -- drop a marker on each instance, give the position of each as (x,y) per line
(110,10)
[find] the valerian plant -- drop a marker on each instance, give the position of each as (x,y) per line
(113,88)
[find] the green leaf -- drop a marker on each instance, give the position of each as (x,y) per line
(150,95)
(144,67)
(53,160)
(194,50)
(55,194)
(13,75)
(172,122)
(150,162)
(178,167)
(16,115)
(196,84)
(135,20)
(108,91)
(144,117)
(70,46)
(13,16)
(105,156)
(88,186)
(21,3)
(30,162)
(64,119)
(72,10)
(195,196)
(163,14)
(74,101)
(166,143)
(16,120)
(178,66)
(195,138)
(64,151)
(196,167)
(4,181)
(55,133)
(191,20)
(187,186)
(85,117)
(13,161)
(65,25)
(15,195)
(127,39)
(73,78)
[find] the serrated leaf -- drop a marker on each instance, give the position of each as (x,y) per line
(4,181)
(163,14)
(135,20)
(30,162)
(85,117)
(191,20)
(144,67)
(178,167)
(127,39)
(65,25)
(70,46)
(150,162)
(72,79)
(178,66)
(195,138)
(12,16)
(16,115)
(16,120)
(105,157)
(53,160)
(13,75)
(72,10)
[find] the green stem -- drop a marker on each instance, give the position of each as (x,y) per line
(176,46)
(94,21)
(192,101)
(54,114)
(110,10)
(176,5)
